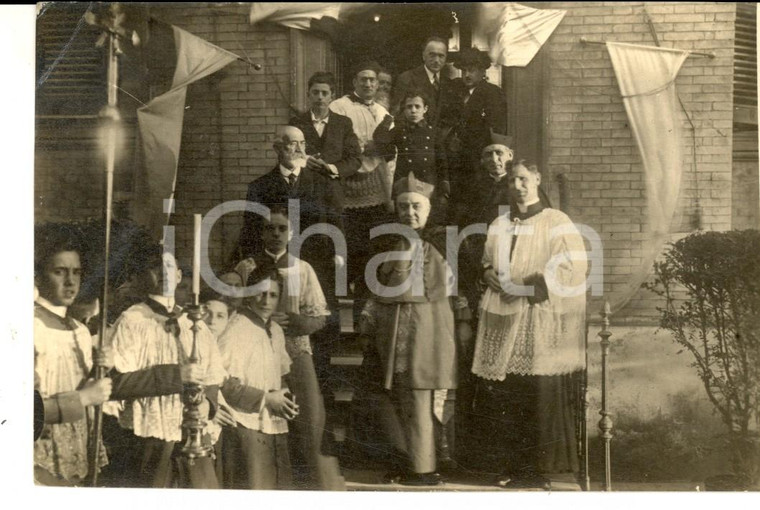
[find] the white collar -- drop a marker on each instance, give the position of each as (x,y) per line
(431,74)
(369,103)
(166,301)
(60,311)
(287,171)
(324,119)
(277,256)
(498,177)
(520,207)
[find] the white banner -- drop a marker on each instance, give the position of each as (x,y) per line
(516,32)
(646,76)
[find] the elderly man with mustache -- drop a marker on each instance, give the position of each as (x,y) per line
(291,178)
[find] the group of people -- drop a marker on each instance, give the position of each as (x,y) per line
(471,343)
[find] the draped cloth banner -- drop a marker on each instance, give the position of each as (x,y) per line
(160,123)
(646,76)
(293,14)
(516,32)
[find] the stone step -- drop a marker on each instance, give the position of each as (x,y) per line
(346,308)
(462,481)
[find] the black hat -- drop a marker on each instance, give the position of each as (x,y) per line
(472,57)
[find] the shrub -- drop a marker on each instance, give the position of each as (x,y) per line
(711,285)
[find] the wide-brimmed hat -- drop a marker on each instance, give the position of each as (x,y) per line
(472,57)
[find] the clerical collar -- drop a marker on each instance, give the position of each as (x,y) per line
(166,301)
(60,311)
(533,209)
(356,99)
(430,74)
(324,119)
(287,171)
(275,256)
(497,177)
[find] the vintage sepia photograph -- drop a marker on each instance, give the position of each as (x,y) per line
(486,247)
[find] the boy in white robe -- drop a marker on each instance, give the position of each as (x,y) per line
(302,311)
(255,450)
(152,342)
(63,359)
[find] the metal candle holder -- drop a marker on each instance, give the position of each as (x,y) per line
(193,394)
(605,424)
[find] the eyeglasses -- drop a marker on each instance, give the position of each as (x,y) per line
(296,143)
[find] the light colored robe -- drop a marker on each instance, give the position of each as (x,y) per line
(547,338)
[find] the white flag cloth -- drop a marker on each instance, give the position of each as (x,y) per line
(160,123)
(517,32)
(646,76)
(293,14)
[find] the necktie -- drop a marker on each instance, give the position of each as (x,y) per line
(292,180)
(436,85)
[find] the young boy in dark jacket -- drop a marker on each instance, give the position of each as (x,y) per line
(418,148)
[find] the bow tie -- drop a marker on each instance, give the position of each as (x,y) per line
(251,315)
(172,318)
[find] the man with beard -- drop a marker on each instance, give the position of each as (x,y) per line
(483,111)
(292,179)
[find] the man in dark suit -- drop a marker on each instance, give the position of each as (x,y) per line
(333,151)
(429,79)
(292,179)
(331,145)
(483,110)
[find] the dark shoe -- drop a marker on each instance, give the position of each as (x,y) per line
(421,479)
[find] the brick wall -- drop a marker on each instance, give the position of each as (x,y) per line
(232,115)
(588,135)
(230,120)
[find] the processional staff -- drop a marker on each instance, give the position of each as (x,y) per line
(111,119)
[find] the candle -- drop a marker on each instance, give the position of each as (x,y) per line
(196,255)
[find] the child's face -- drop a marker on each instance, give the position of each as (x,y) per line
(163,280)
(415,109)
(60,280)
(276,233)
(217,317)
